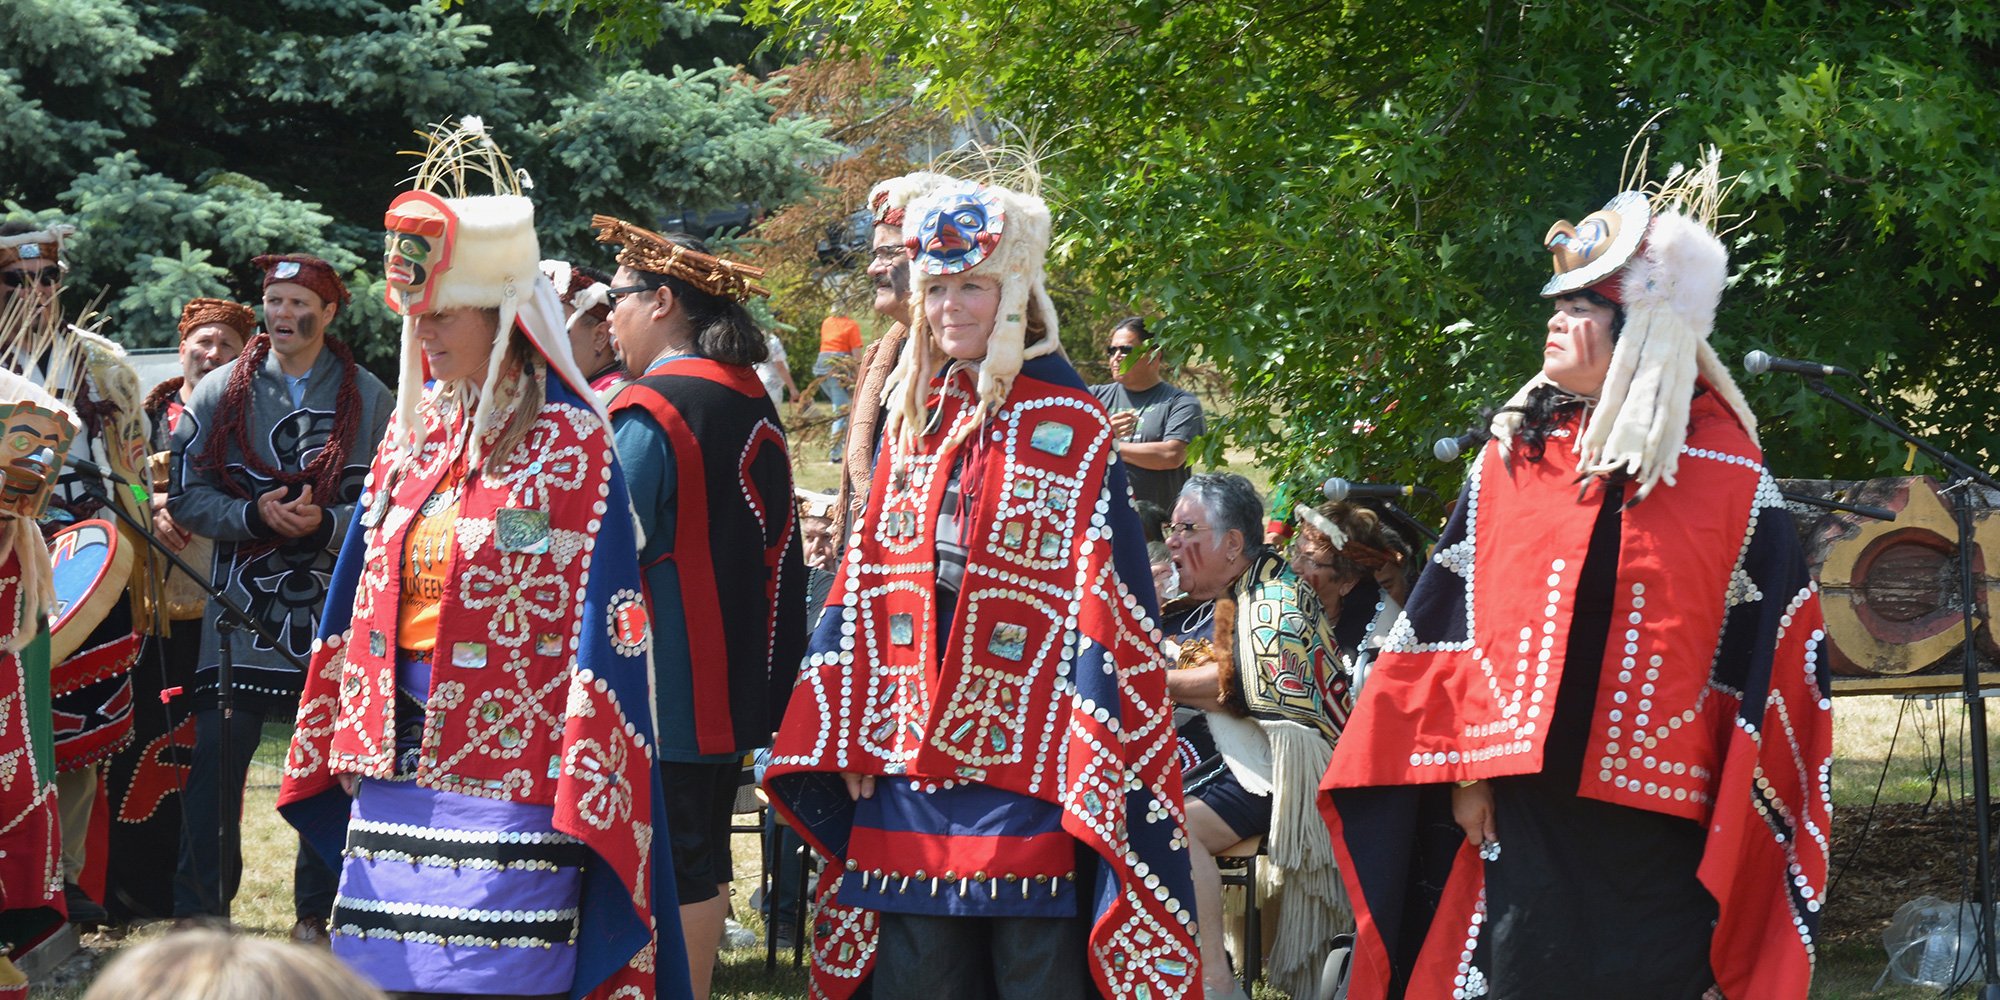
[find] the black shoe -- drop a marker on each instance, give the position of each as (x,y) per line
(311,931)
(82,908)
(786,934)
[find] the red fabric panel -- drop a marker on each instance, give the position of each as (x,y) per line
(715,730)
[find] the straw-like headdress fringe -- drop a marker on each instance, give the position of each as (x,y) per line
(495,264)
(26,327)
(1670,288)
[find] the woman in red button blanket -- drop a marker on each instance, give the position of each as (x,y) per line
(980,740)
(1593,758)
(480,681)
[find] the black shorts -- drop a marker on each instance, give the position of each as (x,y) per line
(1206,776)
(1247,813)
(700,801)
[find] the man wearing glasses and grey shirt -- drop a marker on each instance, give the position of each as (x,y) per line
(1152,418)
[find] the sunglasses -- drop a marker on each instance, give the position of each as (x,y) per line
(47,277)
(1118,352)
(612,295)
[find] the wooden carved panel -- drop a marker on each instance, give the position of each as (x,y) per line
(1894,612)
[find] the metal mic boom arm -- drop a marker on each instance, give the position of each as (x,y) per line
(233,612)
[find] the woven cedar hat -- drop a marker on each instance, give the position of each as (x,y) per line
(200,312)
(447,248)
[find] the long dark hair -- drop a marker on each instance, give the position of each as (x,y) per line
(723,329)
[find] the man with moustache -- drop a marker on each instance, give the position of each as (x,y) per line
(142,781)
(889,273)
(273,448)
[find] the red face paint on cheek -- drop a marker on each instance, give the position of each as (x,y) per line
(1195,558)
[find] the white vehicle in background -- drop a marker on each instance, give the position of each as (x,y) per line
(154,365)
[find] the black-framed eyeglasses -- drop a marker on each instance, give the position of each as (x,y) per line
(1177,528)
(890,253)
(1118,352)
(612,295)
(47,277)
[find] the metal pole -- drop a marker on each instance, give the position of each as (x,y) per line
(229,794)
(1975,703)
(1968,479)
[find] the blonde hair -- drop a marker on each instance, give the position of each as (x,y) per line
(1025,323)
(212,965)
(503,411)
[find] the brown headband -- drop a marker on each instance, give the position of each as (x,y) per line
(203,311)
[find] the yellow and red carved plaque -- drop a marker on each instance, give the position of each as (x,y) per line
(1895,616)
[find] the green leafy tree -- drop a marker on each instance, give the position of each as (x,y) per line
(1341,205)
(186,138)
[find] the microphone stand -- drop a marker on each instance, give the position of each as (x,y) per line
(1824,503)
(1961,492)
(232,618)
(1405,516)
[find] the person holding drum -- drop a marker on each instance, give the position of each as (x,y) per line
(94,650)
(39,430)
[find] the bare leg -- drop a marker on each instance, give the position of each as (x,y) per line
(76,793)
(701,927)
(1211,836)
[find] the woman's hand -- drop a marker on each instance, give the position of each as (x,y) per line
(349,783)
(859,786)
(1472,809)
(168,532)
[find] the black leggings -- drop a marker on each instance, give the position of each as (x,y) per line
(982,958)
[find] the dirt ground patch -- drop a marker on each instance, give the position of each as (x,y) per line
(1907,850)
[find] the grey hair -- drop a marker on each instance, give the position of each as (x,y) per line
(1231,502)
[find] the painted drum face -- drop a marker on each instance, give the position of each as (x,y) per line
(959,230)
(417,250)
(1894,619)
(33,441)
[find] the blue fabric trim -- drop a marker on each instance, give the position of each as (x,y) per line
(899,806)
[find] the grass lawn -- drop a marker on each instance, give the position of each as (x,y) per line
(1849,963)
(1848,966)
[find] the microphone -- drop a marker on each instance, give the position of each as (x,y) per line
(1447,449)
(1758,362)
(90,468)
(1341,489)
